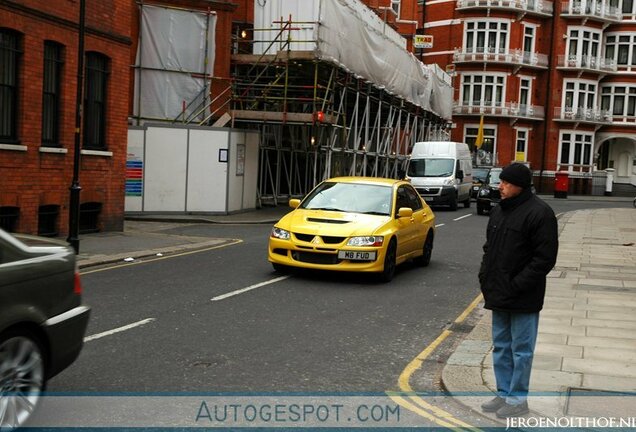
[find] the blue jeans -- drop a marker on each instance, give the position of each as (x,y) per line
(514,336)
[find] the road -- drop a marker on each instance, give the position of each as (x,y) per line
(313,332)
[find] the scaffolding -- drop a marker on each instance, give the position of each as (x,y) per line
(318,120)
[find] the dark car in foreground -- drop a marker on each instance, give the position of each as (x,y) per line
(488,195)
(42,320)
(479,178)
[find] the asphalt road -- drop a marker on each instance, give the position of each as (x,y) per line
(309,332)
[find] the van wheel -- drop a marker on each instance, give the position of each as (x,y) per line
(453,203)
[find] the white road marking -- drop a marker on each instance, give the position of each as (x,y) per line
(462,217)
(439,225)
(118,330)
(249,288)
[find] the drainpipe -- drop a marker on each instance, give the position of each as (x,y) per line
(549,107)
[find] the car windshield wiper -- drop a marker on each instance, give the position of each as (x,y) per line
(375,213)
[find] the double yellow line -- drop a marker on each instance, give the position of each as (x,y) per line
(409,399)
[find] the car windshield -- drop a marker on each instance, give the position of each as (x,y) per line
(431,167)
(350,197)
(494,176)
(480,174)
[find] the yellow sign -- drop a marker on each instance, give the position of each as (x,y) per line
(422,41)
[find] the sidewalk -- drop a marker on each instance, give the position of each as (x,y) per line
(587,329)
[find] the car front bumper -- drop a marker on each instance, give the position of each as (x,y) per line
(288,253)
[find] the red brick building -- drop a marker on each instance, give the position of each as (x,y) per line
(39,55)
(555,82)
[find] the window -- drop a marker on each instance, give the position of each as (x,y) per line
(583,47)
(485,155)
(628,8)
(619,47)
(395,5)
(47,220)
(89,217)
(575,148)
(96,81)
(522,145)
(528,39)
(483,90)
(579,97)
(51,94)
(9,218)
(9,85)
(524,95)
(486,37)
(619,100)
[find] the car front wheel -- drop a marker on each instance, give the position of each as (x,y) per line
(389,262)
(21,377)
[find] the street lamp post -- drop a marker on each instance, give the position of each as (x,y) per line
(74,204)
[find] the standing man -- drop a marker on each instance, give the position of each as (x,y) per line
(520,250)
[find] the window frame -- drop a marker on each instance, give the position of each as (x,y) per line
(51,93)
(11,51)
(96,81)
(501,39)
(578,149)
(480,81)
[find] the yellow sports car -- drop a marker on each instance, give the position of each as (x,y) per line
(354,224)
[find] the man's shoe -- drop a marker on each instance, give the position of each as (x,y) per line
(508,410)
(493,404)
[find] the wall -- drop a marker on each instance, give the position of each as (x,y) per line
(191,169)
(30,175)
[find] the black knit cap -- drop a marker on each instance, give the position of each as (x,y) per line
(517,174)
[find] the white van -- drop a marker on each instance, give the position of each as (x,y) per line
(441,171)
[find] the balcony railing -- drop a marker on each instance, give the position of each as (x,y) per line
(591,9)
(585,115)
(538,7)
(587,63)
(508,109)
(495,55)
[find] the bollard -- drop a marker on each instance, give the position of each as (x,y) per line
(609,181)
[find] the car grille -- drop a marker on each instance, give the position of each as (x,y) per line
(315,258)
(428,191)
(495,194)
(325,239)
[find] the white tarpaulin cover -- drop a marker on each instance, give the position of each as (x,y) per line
(349,34)
(172,59)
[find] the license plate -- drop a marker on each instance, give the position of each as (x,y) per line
(475,187)
(492,204)
(356,256)
(429,199)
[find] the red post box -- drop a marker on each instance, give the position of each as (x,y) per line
(561,183)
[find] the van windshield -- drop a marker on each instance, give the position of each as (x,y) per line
(431,167)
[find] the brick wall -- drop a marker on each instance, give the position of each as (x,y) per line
(31,178)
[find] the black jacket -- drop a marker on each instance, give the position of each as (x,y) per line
(520,250)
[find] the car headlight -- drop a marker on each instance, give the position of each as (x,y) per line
(484,192)
(280,233)
(366,241)
(449,182)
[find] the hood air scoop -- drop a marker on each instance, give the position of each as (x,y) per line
(332,221)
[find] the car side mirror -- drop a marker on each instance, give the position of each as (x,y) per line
(460,175)
(405,212)
(294,203)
